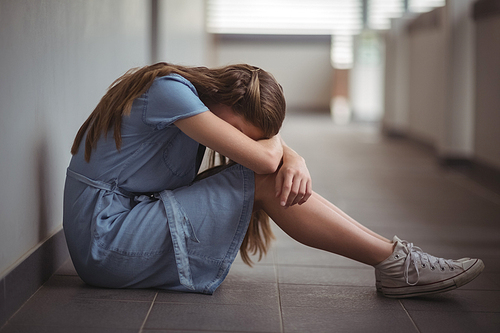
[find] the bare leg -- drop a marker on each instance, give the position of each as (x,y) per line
(350,219)
(317,224)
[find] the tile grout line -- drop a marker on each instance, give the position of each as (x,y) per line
(147,314)
(408,314)
(279,294)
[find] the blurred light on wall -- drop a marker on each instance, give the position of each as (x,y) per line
(380,13)
(341,53)
(307,17)
(420,6)
(295,17)
(339,18)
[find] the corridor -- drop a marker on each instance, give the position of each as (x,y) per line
(394,186)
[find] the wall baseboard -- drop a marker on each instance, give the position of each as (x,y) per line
(482,173)
(24,280)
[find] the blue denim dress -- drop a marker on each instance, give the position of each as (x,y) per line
(134,218)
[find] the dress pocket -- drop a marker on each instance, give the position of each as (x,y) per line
(138,230)
(180,155)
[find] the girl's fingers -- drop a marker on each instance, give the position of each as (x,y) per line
(286,188)
(292,187)
(300,196)
(294,194)
(308,192)
(304,193)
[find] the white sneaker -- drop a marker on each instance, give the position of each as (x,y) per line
(411,272)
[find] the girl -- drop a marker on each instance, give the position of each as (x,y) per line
(136,214)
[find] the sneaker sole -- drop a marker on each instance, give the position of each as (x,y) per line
(433,288)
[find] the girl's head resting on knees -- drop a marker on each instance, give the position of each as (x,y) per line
(251,93)
(248,91)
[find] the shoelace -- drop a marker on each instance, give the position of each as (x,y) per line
(420,258)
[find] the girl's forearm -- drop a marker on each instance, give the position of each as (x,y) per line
(274,149)
(289,152)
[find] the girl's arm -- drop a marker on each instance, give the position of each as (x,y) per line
(293,181)
(262,157)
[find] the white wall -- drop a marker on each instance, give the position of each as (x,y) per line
(457,136)
(56,60)
(300,63)
(182,38)
(396,78)
(430,79)
(427,80)
(487,127)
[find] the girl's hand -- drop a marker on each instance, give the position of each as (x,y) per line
(293,182)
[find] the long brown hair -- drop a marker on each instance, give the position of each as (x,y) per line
(250,91)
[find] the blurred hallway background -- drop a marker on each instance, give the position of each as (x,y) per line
(425,72)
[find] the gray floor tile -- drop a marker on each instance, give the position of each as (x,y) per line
(264,294)
(420,188)
(443,322)
(338,298)
(495,278)
(64,329)
(472,212)
(491,262)
(65,303)
(485,281)
(306,256)
(81,313)
(72,287)
(459,300)
(318,320)
(241,273)
(184,331)
(251,318)
(327,275)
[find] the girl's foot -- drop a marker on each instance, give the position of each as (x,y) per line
(411,272)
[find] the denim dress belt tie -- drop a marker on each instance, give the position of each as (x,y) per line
(180,227)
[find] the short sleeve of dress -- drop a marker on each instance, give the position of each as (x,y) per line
(171,98)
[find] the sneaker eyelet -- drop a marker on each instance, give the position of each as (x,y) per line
(442,269)
(433,268)
(396,256)
(423,266)
(452,268)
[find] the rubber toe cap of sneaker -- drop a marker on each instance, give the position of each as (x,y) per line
(466,264)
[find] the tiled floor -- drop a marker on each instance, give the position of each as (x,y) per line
(392,186)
